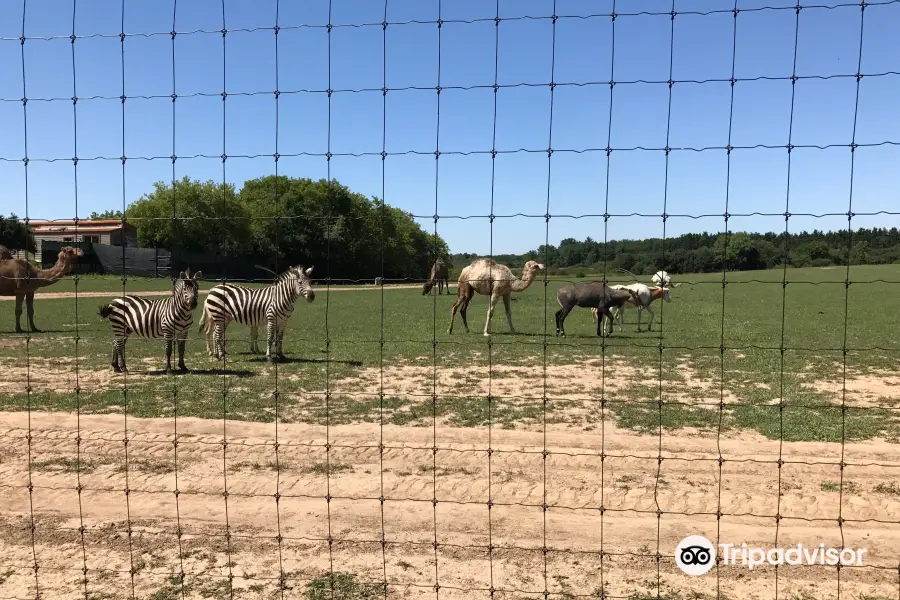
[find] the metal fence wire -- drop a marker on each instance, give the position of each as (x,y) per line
(71,558)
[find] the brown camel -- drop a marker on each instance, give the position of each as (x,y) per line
(20,279)
(488,278)
(440,275)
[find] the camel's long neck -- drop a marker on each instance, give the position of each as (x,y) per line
(519,285)
(50,276)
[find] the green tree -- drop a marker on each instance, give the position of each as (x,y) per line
(859,254)
(813,252)
(15,235)
(106,214)
(193,216)
(326,224)
(740,251)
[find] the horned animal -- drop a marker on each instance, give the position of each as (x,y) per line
(645,296)
(595,294)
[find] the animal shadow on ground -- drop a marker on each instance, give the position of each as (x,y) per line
(22,334)
(615,336)
(288,360)
(234,372)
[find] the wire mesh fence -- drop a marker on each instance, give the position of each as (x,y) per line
(381,454)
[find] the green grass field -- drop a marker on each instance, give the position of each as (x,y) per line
(339,346)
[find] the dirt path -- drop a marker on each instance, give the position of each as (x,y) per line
(689,489)
(52,295)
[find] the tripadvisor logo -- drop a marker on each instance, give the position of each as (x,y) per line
(696,555)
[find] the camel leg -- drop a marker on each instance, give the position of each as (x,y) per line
(469,292)
(461,304)
(456,304)
(29,306)
(19,300)
(490,314)
(508,314)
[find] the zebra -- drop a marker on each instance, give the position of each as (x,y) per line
(273,304)
(170,318)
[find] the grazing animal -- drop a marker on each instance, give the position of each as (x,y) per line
(596,294)
(20,279)
(169,318)
(272,305)
(489,278)
(645,295)
(439,275)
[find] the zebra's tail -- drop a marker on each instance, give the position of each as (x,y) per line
(205,323)
(105,311)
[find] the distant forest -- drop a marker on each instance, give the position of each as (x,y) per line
(705,252)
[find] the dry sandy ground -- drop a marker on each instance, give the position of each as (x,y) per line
(339,288)
(647,505)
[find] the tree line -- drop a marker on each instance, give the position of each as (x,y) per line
(350,236)
(709,252)
(320,223)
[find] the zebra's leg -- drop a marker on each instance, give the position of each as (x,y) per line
(115,356)
(169,343)
(271,331)
(279,342)
(120,351)
(254,339)
(219,339)
(208,329)
(181,366)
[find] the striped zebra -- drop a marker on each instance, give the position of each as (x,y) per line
(170,318)
(272,305)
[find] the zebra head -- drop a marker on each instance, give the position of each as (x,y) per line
(302,284)
(186,288)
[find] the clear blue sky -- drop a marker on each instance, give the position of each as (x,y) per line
(823,114)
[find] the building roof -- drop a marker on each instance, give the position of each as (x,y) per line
(84,226)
